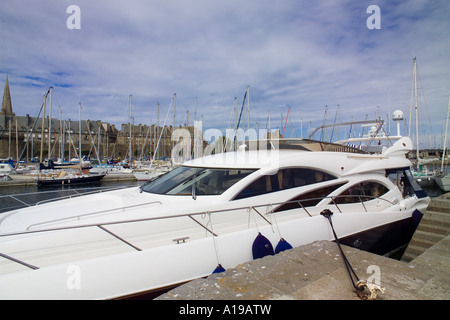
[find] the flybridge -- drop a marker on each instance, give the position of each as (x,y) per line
(301,144)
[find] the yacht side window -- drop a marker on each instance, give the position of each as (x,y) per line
(364,191)
(284,179)
(309,199)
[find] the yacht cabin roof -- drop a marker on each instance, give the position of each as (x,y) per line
(333,158)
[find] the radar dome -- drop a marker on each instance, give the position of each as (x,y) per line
(397,115)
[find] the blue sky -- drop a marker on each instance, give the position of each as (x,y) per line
(301,54)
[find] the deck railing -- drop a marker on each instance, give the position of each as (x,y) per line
(192,216)
(18,200)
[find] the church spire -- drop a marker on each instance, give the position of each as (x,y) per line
(6,103)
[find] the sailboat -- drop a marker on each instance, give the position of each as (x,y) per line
(423,176)
(144,172)
(443,178)
(64,177)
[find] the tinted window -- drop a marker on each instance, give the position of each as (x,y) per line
(168,181)
(297,177)
(284,179)
(364,191)
(205,181)
(308,199)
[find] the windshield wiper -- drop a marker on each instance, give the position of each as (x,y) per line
(194,192)
(193,177)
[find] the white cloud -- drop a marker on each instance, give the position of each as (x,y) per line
(303,54)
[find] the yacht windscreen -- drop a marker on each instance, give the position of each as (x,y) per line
(205,181)
(406,182)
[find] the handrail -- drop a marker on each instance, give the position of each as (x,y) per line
(23,204)
(184,215)
(18,200)
(94,213)
(18,261)
(121,239)
(189,215)
(100,190)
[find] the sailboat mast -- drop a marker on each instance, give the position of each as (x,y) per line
(416,108)
(129,145)
(156,134)
(445,137)
(50,126)
(285,123)
(235,123)
(174,116)
(61,136)
(79,134)
(248,111)
(412,97)
(42,129)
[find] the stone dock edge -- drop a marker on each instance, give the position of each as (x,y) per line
(316,271)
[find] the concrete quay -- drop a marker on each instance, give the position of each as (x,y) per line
(316,271)
(434,226)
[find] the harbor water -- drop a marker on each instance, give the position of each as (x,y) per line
(13,197)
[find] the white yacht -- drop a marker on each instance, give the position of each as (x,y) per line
(216,211)
(6,169)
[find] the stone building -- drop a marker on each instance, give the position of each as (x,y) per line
(20,137)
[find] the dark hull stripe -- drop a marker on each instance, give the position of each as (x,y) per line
(387,238)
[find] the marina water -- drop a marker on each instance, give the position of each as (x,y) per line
(13,197)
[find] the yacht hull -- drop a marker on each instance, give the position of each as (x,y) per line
(124,274)
(70,180)
(389,240)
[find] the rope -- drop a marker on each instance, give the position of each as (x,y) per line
(214,238)
(271,214)
(360,285)
(250,213)
(352,274)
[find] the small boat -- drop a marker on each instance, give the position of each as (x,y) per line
(148,172)
(220,210)
(5,177)
(443,177)
(110,169)
(113,172)
(145,175)
(424,176)
(6,169)
(65,178)
(443,181)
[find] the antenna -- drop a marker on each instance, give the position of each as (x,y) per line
(397,116)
